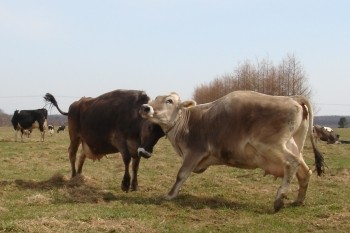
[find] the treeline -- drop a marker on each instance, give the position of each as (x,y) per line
(5,120)
(287,78)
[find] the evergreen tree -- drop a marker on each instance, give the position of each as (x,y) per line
(343,123)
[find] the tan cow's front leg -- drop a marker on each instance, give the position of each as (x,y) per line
(188,165)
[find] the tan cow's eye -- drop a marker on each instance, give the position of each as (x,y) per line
(169,101)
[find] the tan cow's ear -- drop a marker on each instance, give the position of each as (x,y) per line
(188,104)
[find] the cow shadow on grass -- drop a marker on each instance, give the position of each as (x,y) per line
(81,189)
(76,190)
(198,203)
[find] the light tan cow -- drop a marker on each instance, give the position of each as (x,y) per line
(243,129)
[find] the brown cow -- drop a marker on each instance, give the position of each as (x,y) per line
(243,129)
(326,134)
(109,124)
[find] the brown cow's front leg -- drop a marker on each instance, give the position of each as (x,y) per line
(135,168)
(125,186)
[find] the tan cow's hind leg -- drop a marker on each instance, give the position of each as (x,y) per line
(303,176)
(290,168)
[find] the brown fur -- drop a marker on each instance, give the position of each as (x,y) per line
(107,124)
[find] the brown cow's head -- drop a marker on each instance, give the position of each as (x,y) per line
(150,134)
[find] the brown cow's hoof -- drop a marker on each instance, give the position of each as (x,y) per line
(279,204)
(134,187)
(125,188)
(298,203)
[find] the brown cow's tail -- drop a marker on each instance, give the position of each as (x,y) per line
(307,112)
(50,99)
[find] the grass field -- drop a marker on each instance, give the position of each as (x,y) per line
(37,194)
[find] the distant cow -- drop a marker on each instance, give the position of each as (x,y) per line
(61,128)
(28,120)
(51,129)
(108,124)
(326,134)
(243,129)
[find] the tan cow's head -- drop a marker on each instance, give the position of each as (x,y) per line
(165,110)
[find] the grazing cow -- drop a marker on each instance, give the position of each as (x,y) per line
(61,128)
(326,134)
(109,124)
(243,129)
(51,129)
(26,132)
(28,120)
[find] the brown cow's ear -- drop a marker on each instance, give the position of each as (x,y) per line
(188,104)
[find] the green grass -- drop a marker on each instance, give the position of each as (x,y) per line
(37,194)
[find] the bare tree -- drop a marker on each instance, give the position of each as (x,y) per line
(287,78)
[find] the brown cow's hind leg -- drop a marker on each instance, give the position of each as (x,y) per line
(82,158)
(73,148)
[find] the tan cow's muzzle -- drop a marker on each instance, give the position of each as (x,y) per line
(146,111)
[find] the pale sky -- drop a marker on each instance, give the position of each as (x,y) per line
(75,48)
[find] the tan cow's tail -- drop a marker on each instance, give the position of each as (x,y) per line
(308,113)
(51,99)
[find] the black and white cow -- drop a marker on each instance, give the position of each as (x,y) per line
(28,120)
(61,128)
(324,133)
(51,129)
